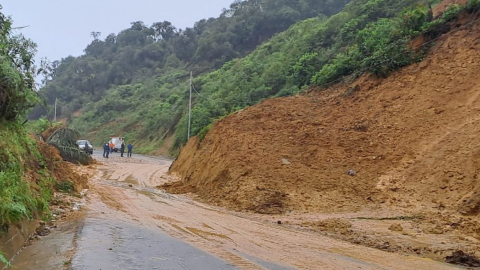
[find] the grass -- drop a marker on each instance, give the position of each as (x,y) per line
(3,259)
(65,186)
(25,187)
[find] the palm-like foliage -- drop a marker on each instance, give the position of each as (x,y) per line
(64,139)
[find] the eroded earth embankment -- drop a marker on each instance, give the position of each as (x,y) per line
(411,139)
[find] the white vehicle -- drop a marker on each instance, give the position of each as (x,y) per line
(82,143)
(117,142)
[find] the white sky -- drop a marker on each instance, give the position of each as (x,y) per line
(62,27)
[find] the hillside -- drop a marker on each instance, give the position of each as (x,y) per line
(29,169)
(139,87)
(410,138)
(135,82)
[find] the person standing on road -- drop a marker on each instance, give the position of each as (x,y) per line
(86,149)
(112,146)
(130,149)
(122,149)
(106,150)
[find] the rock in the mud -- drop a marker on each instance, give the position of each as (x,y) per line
(286,161)
(336,225)
(43,231)
(396,227)
(471,206)
(83,193)
(352,173)
(77,206)
(461,258)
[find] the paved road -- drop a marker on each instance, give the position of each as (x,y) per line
(110,244)
(104,243)
(130,224)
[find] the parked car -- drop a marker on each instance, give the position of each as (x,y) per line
(117,143)
(81,144)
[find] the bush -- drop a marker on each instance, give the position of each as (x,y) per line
(473,6)
(16,68)
(65,186)
(20,199)
(203,133)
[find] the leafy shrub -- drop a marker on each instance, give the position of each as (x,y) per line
(20,199)
(204,131)
(451,13)
(65,186)
(473,6)
(16,68)
(343,64)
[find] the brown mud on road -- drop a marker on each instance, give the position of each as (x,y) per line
(129,224)
(124,190)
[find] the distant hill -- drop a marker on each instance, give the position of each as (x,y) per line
(135,83)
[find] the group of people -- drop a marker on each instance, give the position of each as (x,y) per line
(109,147)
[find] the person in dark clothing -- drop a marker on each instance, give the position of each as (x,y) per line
(106,150)
(86,148)
(122,149)
(130,149)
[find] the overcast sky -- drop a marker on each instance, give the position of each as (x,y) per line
(62,27)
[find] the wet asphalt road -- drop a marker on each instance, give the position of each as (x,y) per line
(117,232)
(109,244)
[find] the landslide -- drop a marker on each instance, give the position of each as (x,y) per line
(411,138)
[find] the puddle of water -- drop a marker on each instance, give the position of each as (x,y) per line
(180,229)
(53,251)
(152,196)
(13,240)
(131,180)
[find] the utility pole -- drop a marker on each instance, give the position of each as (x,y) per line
(55,117)
(190,106)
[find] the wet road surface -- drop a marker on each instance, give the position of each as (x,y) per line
(110,244)
(130,224)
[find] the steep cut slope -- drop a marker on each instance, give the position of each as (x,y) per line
(410,138)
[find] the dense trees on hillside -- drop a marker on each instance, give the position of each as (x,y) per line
(367,36)
(136,82)
(141,52)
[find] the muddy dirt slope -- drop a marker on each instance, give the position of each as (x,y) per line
(412,139)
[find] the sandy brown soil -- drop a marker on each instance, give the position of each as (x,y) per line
(410,139)
(442,6)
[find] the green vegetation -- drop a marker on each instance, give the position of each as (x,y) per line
(136,83)
(16,72)
(65,186)
(65,140)
(25,184)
